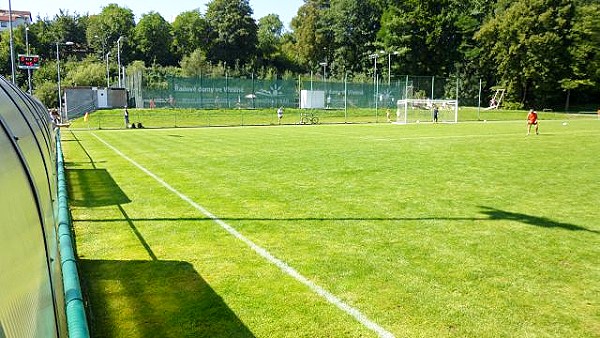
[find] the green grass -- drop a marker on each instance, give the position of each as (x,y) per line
(465,230)
(168,118)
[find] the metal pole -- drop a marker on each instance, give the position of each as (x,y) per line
(346,98)
(107,72)
(68,43)
(406,100)
(12,49)
(376,99)
(58,74)
(325,78)
(389,68)
(479,102)
(375,71)
(119,58)
(456,107)
(28,70)
(226,84)
(324,64)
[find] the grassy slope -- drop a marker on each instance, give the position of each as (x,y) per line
(430,230)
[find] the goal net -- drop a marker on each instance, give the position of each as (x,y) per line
(422,110)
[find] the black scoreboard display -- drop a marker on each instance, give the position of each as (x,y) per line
(28,61)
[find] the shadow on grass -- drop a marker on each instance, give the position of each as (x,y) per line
(155,299)
(491,213)
(497,214)
(93,188)
(144,298)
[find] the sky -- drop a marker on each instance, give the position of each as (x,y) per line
(286,9)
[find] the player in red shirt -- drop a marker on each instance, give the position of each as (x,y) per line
(532,120)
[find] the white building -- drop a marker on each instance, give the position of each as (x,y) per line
(18,18)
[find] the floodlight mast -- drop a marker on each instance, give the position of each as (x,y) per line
(107,71)
(68,43)
(119,58)
(12,49)
(28,70)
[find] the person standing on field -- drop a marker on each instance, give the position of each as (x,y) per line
(532,119)
(435,113)
(126,116)
(279,114)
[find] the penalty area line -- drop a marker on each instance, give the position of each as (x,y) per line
(331,298)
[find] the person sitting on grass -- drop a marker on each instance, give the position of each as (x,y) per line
(532,119)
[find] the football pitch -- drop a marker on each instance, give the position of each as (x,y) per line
(374,230)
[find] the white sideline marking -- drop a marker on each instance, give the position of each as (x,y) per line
(354,312)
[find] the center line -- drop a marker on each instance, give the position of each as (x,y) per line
(331,298)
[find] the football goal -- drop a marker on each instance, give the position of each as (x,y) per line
(422,110)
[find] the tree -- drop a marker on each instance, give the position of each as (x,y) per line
(190,31)
(88,72)
(107,27)
(528,41)
(45,33)
(425,34)
(233,31)
(584,77)
(312,32)
(354,27)
(270,30)
(195,64)
(153,37)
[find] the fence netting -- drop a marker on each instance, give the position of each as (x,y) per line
(225,101)
(248,93)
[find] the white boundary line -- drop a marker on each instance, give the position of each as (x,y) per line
(354,312)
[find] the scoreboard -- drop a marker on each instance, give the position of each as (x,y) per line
(28,61)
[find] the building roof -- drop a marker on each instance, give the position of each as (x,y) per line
(15,15)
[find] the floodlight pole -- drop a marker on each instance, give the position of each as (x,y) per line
(324,64)
(28,69)
(479,102)
(58,75)
(374,57)
(68,43)
(119,58)
(12,49)
(107,71)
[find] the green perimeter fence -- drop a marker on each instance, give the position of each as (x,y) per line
(208,102)
(229,93)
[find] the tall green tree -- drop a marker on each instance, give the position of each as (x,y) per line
(87,72)
(233,31)
(45,33)
(154,39)
(424,33)
(270,30)
(107,27)
(190,32)
(354,27)
(584,77)
(195,64)
(313,33)
(528,42)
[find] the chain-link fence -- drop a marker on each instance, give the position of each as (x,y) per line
(230,93)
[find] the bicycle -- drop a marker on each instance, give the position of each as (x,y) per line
(308,118)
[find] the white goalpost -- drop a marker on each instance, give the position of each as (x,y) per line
(422,110)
